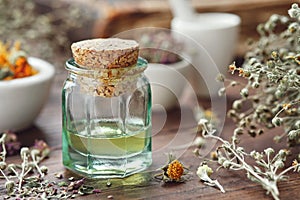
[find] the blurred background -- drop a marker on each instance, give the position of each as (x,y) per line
(46,28)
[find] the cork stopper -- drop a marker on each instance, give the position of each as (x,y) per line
(105,53)
(112,64)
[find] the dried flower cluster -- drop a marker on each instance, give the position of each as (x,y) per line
(13,62)
(269,98)
(272,71)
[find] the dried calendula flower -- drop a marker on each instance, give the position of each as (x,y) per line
(13,62)
(174,171)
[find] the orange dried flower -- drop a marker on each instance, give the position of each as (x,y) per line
(241,71)
(175,170)
(19,67)
(21,61)
(214,155)
(3,60)
(294,163)
(232,67)
(286,106)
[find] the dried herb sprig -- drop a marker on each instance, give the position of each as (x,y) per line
(30,161)
(22,181)
(271,96)
(266,171)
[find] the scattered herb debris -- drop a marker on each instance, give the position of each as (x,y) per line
(27,179)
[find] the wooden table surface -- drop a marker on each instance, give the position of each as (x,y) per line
(143,186)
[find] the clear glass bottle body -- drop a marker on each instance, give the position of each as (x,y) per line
(106,122)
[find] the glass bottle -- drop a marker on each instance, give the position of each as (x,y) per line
(106,120)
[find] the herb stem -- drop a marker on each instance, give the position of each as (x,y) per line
(14,171)
(35,162)
(28,170)
(2,141)
(24,155)
(272,188)
(287,170)
(4,175)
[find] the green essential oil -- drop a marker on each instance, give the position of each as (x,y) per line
(106,150)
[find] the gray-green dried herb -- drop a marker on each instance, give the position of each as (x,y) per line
(268,170)
(27,180)
(269,98)
(272,71)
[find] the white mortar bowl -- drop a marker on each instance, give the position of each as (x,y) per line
(22,99)
(167,82)
(211,39)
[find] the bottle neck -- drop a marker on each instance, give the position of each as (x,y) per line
(106,74)
(106,82)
